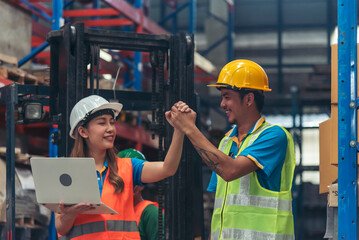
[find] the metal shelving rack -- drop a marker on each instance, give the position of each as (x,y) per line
(9,97)
(229,35)
(347,120)
(122,14)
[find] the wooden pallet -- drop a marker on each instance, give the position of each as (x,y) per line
(23,158)
(25,221)
(9,70)
(8,60)
(19,76)
(42,75)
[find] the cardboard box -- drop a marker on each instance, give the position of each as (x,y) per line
(328,132)
(333,195)
(334,74)
(334,134)
(328,173)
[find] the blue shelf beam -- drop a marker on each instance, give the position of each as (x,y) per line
(173,14)
(174,18)
(34,8)
(347,120)
(230,31)
(192,5)
(33,53)
(137,74)
(192,16)
(280,45)
(57,13)
(214,45)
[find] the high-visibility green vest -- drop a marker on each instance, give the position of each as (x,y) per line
(245,210)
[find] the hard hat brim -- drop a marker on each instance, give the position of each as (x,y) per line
(116,107)
(219,86)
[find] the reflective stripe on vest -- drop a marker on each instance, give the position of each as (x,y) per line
(87,228)
(230,233)
(215,234)
(253,200)
(122,226)
(245,200)
(96,227)
(256,134)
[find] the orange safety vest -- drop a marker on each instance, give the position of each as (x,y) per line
(107,226)
(140,207)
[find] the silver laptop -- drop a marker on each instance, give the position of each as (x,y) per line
(67,180)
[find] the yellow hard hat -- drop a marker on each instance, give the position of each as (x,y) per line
(242,74)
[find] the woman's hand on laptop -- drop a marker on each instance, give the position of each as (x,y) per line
(75,209)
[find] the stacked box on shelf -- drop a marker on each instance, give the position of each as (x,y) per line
(9,70)
(328,131)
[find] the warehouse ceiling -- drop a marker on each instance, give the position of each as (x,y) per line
(289,38)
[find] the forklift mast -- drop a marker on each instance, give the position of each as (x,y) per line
(74,48)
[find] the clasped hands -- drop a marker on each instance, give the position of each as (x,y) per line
(181,117)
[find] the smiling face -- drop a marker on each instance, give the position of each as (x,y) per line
(233,105)
(99,133)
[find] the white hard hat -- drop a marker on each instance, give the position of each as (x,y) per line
(90,105)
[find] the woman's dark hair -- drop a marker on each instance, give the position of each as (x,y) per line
(258,96)
(80,149)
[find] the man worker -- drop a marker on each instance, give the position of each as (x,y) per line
(254,163)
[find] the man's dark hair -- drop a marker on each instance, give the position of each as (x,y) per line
(258,96)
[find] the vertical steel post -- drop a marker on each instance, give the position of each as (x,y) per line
(138,55)
(137,71)
(184,205)
(57,12)
(174,17)
(138,61)
(52,153)
(297,188)
(96,5)
(161,124)
(11,101)
(230,31)
(280,50)
(192,16)
(347,119)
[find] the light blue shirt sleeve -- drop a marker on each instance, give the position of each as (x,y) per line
(269,150)
(212,183)
(137,166)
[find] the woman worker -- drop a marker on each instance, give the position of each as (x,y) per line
(92,122)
